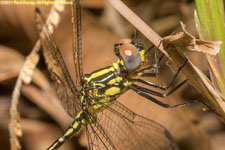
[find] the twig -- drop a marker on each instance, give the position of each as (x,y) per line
(25,75)
(136,22)
(14,124)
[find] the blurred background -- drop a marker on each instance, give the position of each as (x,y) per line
(43,118)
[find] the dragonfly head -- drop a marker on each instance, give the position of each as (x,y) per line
(131,54)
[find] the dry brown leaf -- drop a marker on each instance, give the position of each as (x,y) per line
(96,4)
(174,50)
(188,42)
(11,62)
(48,101)
(36,137)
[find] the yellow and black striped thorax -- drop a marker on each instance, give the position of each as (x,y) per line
(131,55)
(105,85)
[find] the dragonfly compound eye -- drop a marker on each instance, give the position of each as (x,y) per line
(131,56)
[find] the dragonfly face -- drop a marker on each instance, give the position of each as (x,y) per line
(131,55)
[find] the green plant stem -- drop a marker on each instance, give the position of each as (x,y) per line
(210,26)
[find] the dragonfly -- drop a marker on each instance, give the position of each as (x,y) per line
(91,99)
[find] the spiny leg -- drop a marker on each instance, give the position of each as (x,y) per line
(69,132)
(162,87)
(143,73)
(142,93)
(146,90)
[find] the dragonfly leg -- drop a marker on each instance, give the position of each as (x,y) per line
(142,92)
(162,87)
(143,71)
(152,92)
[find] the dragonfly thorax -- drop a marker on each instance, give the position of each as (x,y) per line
(103,86)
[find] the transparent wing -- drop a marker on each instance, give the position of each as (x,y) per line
(119,128)
(66,90)
(77,41)
(98,138)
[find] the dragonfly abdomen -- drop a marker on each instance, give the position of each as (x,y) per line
(76,126)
